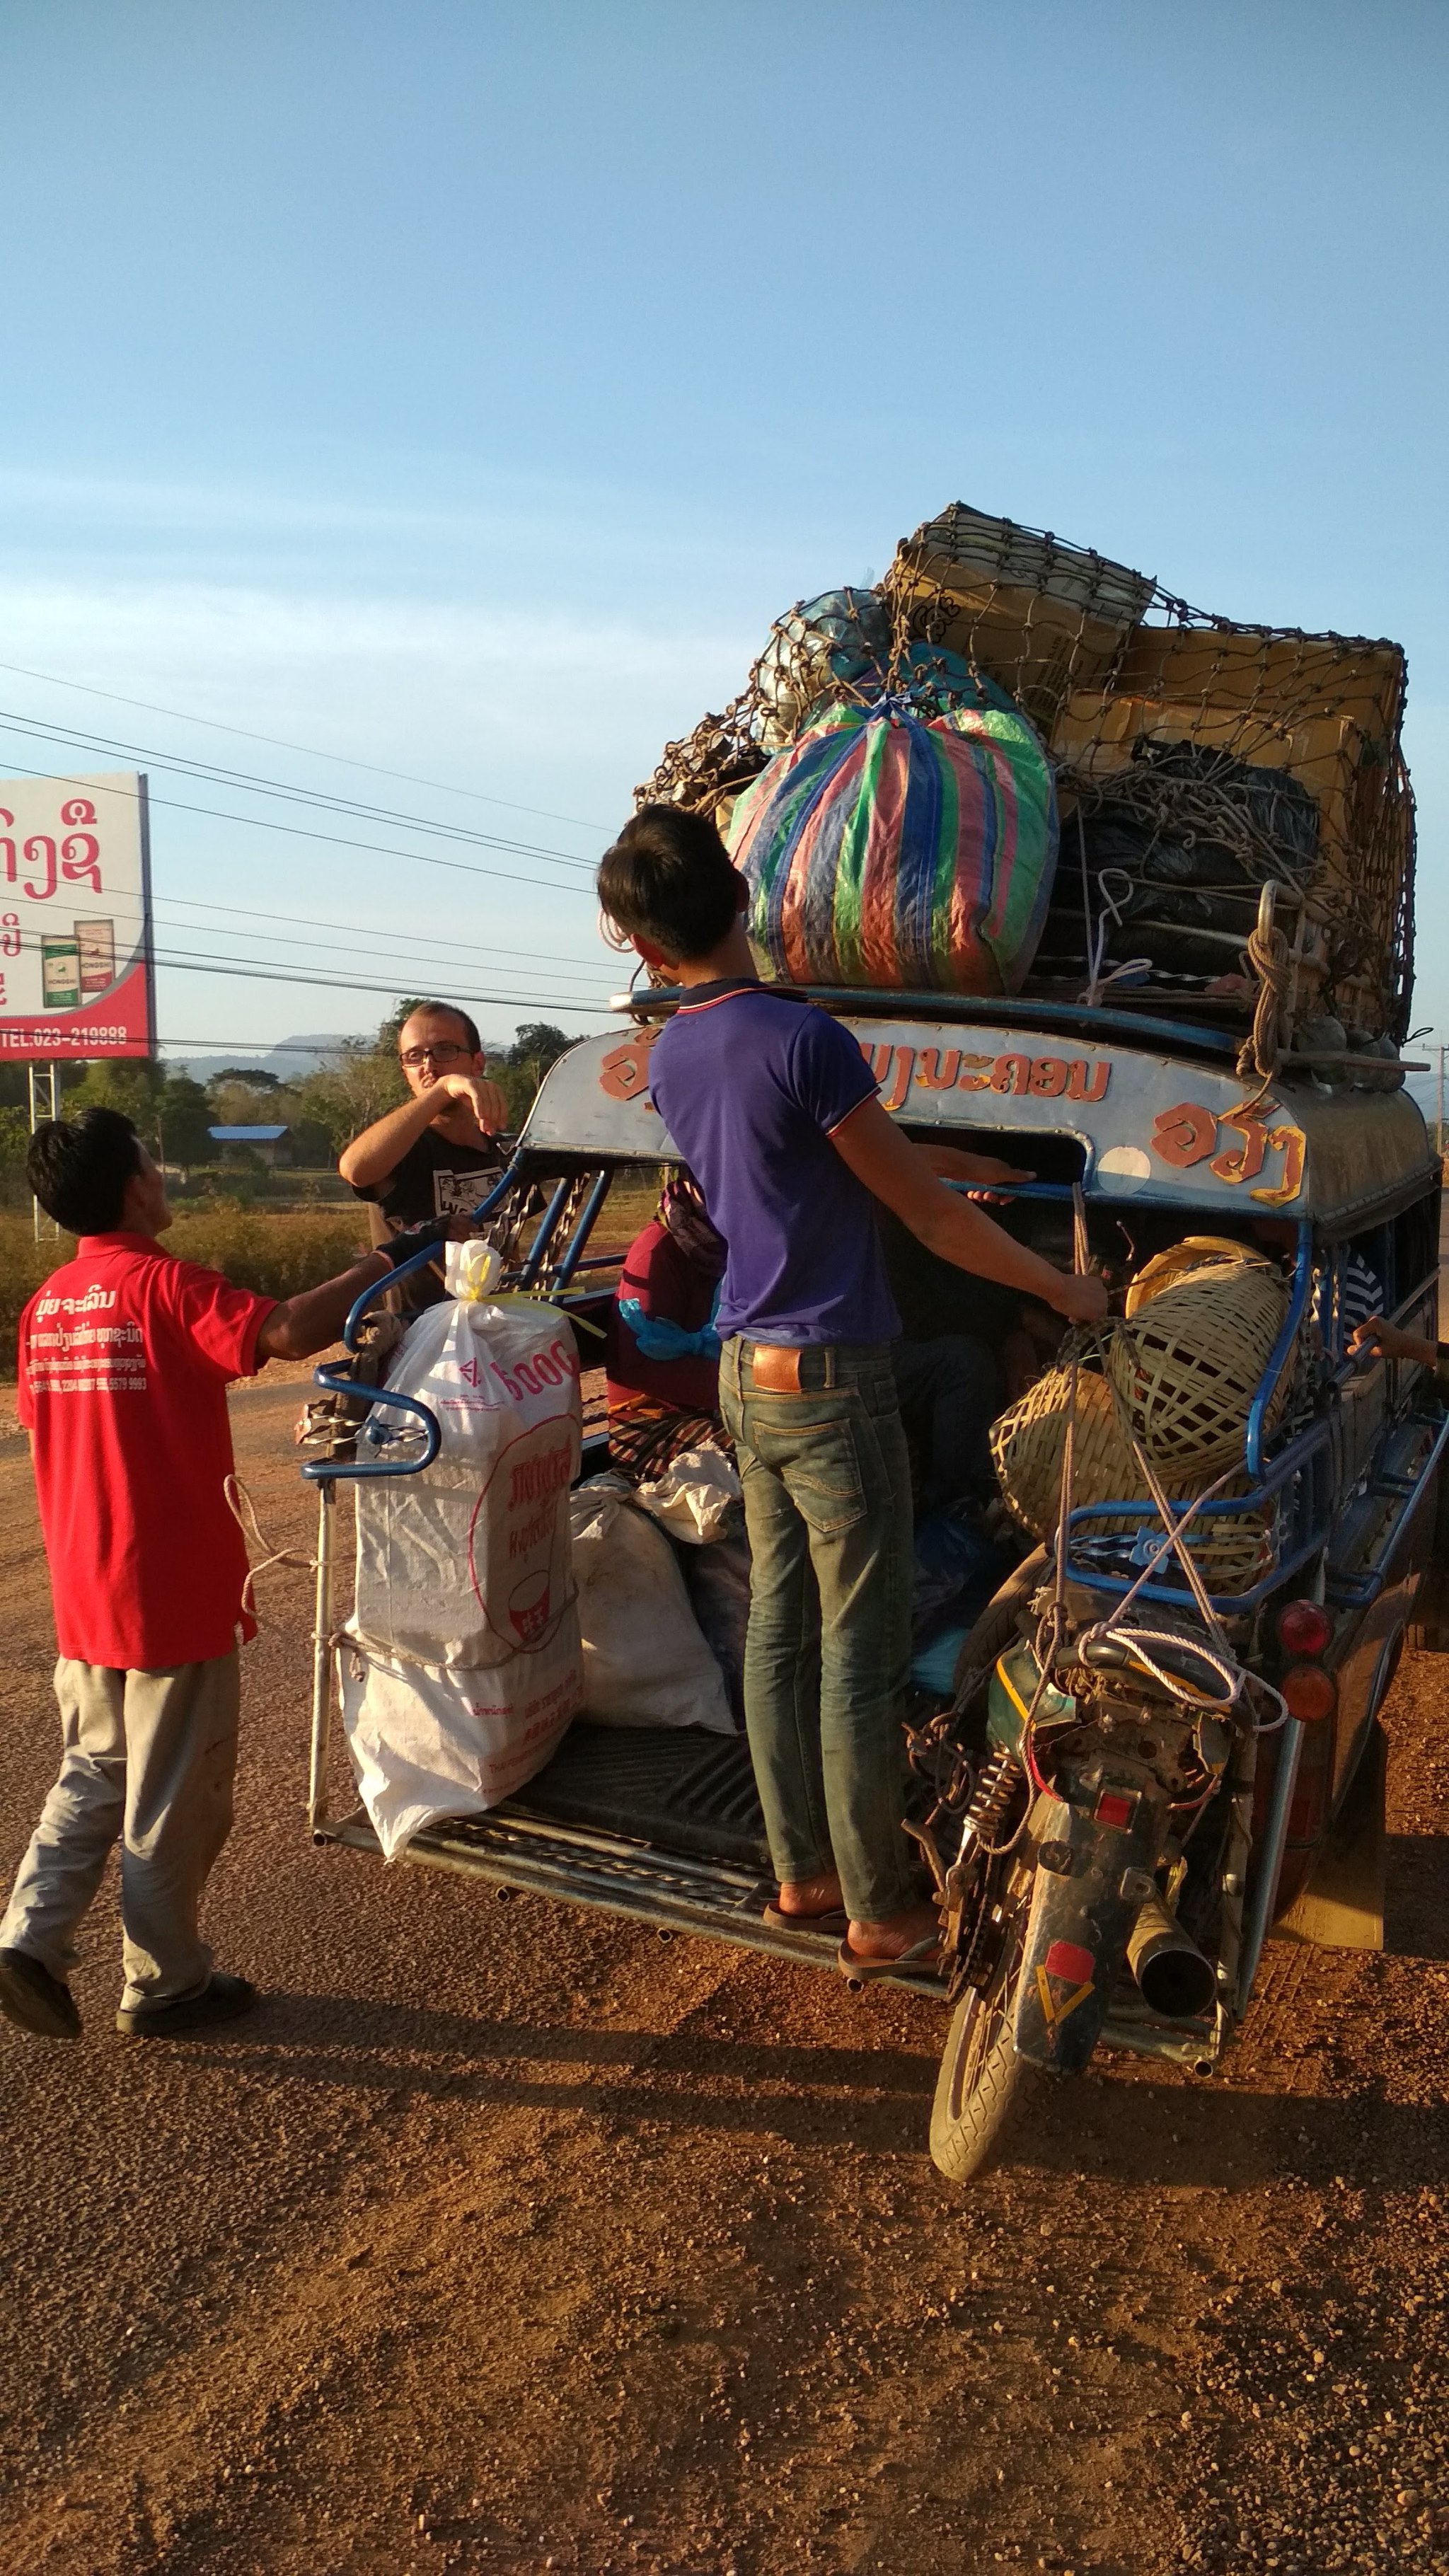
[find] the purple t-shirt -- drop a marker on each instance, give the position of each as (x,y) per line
(751,1087)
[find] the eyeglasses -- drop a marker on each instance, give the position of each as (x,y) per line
(436,1054)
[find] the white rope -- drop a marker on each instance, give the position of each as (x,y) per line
(1108,920)
(1136,1642)
(244,1512)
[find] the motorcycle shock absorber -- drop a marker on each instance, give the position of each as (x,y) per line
(990,1803)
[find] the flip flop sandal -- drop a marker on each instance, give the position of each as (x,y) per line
(859,1972)
(835,1920)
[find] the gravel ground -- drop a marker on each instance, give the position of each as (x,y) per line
(505,2237)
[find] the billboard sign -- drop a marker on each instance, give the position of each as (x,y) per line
(76,977)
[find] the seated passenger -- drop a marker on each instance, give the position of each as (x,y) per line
(663,1356)
(436,1155)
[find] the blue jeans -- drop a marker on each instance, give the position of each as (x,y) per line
(827,1495)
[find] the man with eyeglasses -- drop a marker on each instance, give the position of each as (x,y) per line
(436,1156)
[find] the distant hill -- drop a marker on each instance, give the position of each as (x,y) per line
(290,1059)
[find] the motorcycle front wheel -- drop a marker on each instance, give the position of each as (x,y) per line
(984,2089)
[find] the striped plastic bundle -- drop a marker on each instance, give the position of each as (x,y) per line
(905,843)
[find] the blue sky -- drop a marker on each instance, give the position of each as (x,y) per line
(462,389)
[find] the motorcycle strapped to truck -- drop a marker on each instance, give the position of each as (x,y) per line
(1160,1741)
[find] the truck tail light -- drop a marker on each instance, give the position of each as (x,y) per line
(1304,1628)
(1311,1693)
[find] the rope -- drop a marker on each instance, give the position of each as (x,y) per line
(1266,956)
(1108,920)
(244,1512)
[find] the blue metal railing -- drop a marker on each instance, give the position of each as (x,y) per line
(322,1471)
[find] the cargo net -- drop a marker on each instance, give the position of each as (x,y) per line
(1196,761)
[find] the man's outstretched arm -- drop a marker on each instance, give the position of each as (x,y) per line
(900,1175)
(313,1320)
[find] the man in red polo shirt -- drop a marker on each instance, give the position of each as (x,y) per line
(125,1357)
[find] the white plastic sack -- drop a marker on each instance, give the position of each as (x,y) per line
(468,1563)
(645,1661)
(427,1743)
(697,1498)
(462,1666)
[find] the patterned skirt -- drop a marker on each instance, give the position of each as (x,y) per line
(645,1436)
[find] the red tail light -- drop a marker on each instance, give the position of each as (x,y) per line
(1304,1628)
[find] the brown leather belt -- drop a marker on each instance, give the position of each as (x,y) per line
(775,1369)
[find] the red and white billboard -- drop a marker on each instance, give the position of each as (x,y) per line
(76,975)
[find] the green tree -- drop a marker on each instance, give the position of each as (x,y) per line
(538,1043)
(120,1083)
(183,1122)
(14,1137)
(356,1085)
(236,1100)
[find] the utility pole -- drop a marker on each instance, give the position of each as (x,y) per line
(43,1077)
(1443,1051)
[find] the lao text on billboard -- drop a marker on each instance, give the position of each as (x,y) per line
(76,976)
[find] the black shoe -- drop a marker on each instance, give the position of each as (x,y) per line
(222,2000)
(35,2000)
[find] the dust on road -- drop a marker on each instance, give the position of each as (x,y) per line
(507,2237)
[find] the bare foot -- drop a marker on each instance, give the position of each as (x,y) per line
(899,1933)
(807,1896)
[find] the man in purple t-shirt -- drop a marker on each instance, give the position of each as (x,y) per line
(772,1105)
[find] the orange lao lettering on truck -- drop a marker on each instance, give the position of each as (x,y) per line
(1238,1144)
(624,1073)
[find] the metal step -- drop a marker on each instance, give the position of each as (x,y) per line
(711,1899)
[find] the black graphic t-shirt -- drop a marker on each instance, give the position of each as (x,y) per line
(434,1178)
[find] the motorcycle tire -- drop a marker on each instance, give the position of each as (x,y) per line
(983,2090)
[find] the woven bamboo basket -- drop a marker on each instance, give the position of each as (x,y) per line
(1195,1252)
(1231,1551)
(1187,1365)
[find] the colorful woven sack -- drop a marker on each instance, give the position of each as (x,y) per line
(907,843)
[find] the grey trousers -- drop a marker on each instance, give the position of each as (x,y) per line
(149,1757)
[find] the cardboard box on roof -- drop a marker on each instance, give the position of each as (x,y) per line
(1038,617)
(1287,677)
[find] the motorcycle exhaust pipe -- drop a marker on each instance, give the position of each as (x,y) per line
(1173,1977)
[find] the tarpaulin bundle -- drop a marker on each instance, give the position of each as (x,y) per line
(907,841)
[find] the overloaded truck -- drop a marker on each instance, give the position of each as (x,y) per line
(1122,894)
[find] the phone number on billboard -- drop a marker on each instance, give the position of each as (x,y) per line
(79,1041)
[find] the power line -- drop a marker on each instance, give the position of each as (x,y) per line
(310,921)
(414,965)
(313,921)
(257,973)
(275,742)
(333,840)
(433,963)
(209,774)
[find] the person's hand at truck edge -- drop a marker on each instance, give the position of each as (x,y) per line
(1376,1339)
(904,1178)
(1081,1297)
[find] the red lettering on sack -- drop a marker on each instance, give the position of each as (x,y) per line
(535,1480)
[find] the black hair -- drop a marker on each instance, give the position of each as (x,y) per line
(78,1168)
(449,1011)
(669,879)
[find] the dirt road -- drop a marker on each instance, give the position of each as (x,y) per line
(506,2238)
